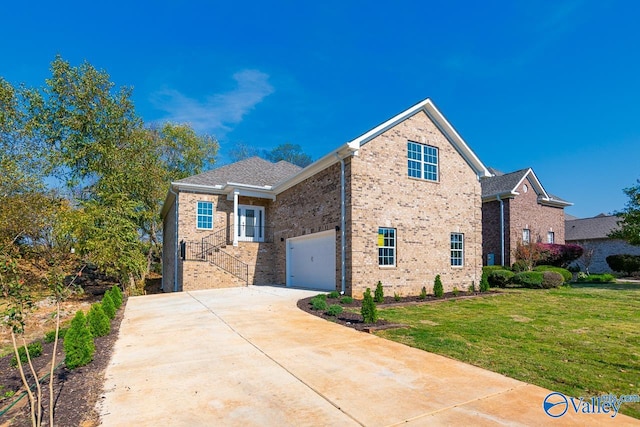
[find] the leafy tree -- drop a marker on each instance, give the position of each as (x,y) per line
(630,217)
(243,151)
(291,153)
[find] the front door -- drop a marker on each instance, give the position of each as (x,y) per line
(250,223)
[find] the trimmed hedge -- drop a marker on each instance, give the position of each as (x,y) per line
(551,279)
(596,278)
(528,279)
(500,278)
(624,263)
(566,274)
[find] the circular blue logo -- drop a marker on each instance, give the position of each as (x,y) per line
(555,404)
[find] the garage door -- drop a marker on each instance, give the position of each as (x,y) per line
(311,261)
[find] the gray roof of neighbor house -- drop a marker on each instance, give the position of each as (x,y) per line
(251,171)
(506,184)
(597,227)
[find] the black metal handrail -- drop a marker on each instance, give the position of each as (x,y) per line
(218,238)
(199,251)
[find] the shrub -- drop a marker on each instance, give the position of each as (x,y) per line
(318,304)
(528,279)
(423,293)
(34,349)
(559,255)
(379,293)
(396,297)
(438,291)
(346,300)
(566,274)
(489,268)
(321,296)
(116,296)
(108,306)
(455,291)
(51,335)
(624,263)
(98,321)
(484,283)
(78,343)
(551,279)
(369,311)
(334,310)
(519,266)
(500,278)
(596,278)
(472,286)
(334,295)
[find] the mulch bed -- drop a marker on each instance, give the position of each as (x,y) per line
(76,391)
(354,320)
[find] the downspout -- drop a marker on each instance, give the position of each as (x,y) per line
(343,245)
(501,230)
(175,253)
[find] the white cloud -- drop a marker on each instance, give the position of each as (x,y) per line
(218,113)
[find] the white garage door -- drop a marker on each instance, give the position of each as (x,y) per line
(311,261)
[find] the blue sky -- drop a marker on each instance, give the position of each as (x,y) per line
(551,85)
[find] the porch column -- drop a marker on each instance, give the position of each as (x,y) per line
(235,218)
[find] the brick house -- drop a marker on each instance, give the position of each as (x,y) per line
(399,204)
(593,235)
(517,209)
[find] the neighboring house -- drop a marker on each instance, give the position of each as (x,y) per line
(593,235)
(399,204)
(517,209)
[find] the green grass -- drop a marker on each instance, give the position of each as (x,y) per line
(581,341)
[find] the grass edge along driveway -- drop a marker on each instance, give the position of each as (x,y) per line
(583,341)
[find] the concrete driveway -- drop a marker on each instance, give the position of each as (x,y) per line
(249,357)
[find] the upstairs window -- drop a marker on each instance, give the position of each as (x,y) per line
(205,215)
(422,161)
(387,247)
(526,236)
(457,249)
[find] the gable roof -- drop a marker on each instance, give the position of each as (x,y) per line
(253,171)
(505,185)
(597,227)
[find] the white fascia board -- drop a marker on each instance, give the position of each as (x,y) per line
(246,191)
(342,152)
(540,191)
(503,196)
(216,189)
(554,203)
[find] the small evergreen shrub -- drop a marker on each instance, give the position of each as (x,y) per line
(528,279)
(116,296)
(379,293)
(519,266)
(489,268)
(566,274)
(472,287)
(596,278)
(51,335)
(98,321)
(500,278)
(321,296)
(334,310)
(438,291)
(334,295)
(423,293)
(551,279)
(369,310)
(396,297)
(78,343)
(484,283)
(34,349)
(108,306)
(346,300)
(318,304)
(455,291)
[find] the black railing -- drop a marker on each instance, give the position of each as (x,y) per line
(198,251)
(219,238)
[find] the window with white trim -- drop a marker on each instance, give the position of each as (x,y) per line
(422,161)
(205,215)
(551,237)
(386,247)
(457,249)
(526,236)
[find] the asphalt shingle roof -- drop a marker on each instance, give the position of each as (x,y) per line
(597,227)
(502,183)
(251,171)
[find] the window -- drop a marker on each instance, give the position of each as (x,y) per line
(387,247)
(205,215)
(457,249)
(526,236)
(551,237)
(422,161)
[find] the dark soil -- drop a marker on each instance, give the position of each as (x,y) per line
(76,391)
(354,320)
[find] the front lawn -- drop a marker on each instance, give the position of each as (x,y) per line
(581,341)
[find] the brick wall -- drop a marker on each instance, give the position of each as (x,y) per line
(602,248)
(424,213)
(169,250)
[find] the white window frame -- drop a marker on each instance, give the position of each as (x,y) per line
(526,236)
(457,249)
(423,161)
(201,213)
(551,237)
(257,228)
(387,247)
